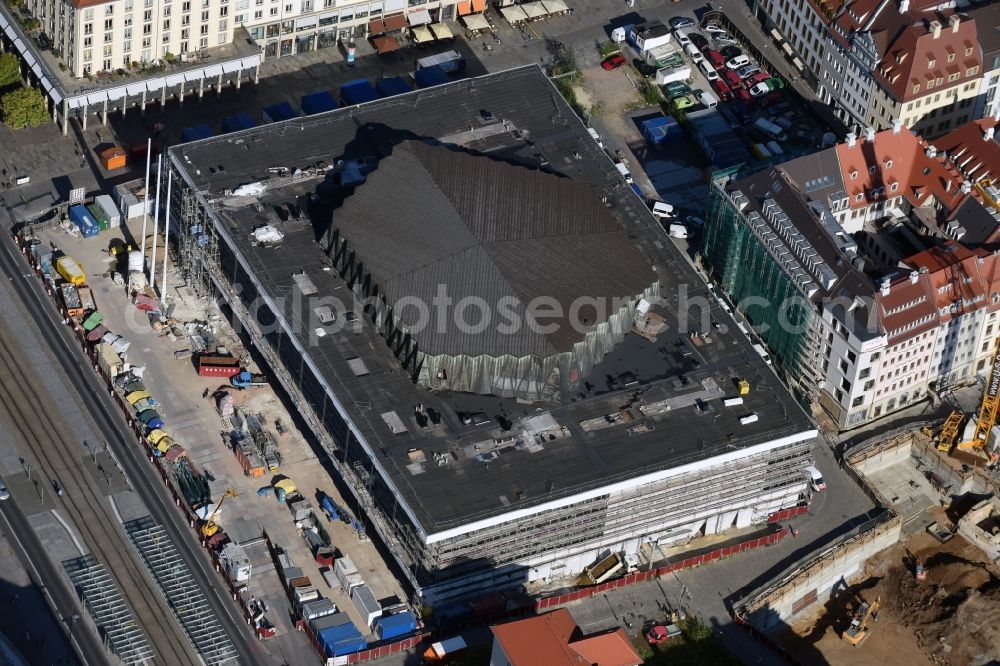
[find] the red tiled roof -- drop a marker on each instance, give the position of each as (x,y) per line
(897,158)
(906,62)
(549,639)
(972,150)
(83,4)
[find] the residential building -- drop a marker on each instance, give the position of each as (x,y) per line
(987,15)
(487,454)
(876,61)
(93,36)
(845,264)
(554,639)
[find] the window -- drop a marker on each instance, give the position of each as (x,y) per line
(931,62)
(147,15)
(88,15)
(88,28)
(869,385)
(241,18)
(223,24)
(952,78)
(951,57)
(857,401)
(204,30)
(851,356)
(204,16)
(88,41)
(107,50)
(968,51)
(166,38)
(223,11)
(916,88)
(864,373)
(222,38)
(288,9)
(242,4)
(109,24)
(203,42)
(274,11)
(186,7)
(258,14)
(843,366)
(858,197)
(972,71)
(127,33)
(108,36)
(166,24)
(127,47)
(893,187)
(87,55)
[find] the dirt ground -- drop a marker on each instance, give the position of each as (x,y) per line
(952,618)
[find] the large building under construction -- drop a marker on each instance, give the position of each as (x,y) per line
(454,286)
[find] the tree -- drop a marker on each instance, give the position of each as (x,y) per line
(24,107)
(10,70)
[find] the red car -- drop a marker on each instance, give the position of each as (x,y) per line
(716,59)
(613,62)
(723,91)
(732,79)
(743,94)
(657,634)
(759,77)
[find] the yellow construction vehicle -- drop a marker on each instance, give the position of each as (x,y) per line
(744,386)
(210,528)
(987,418)
(949,431)
(857,631)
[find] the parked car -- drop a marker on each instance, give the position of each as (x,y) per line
(676,89)
(681,22)
(746,71)
(760,89)
(698,40)
(715,58)
(684,102)
(715,29)
(755,79)
(770,100)
(694,54)
(722,90)
(731,78)
(681,37)
(741,93)
(660,210)
(737,62)
(613,62)
(645,69)
(4,493)
(730,51)
(707,70)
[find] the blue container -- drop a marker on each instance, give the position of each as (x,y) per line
(661,129)
(341,640)
(84,221)
(318,102)
(392,85)
(393,626)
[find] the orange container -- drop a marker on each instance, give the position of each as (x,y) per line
(113,158)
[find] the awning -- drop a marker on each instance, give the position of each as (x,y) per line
(476,22)
(394,23)
(534,10)
(421,35)
(513,14)
(376,27)
(555,6)
(386,44)
(478,5)
(464,8)
(442,31)
(776,36)
(420,17)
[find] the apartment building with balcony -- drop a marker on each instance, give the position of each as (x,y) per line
(846,264)
(859,59)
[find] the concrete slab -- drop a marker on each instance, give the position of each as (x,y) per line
(909,492)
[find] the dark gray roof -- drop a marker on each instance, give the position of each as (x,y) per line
(542,131)
(480,227)
(977,220)
(987,16)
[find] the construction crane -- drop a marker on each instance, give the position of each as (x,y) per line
(210,527)
(857,631)
(988,410)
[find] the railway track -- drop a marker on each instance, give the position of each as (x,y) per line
(47,436)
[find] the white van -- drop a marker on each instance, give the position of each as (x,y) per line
(708,100)
(596,137)
(708,71)
(694,53)
(677,231)
(623,170)
(682,38)
(757,347)
(816,481)
(770,129)
(661,210)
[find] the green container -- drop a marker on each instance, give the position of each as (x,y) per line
(103,223)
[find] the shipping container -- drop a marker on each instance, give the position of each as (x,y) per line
(388,627)
(338,641)
(218,366)
(84,220)
(345,570)
(103,221)
(107,205)
(326,621)
(366,603)
(311,610)
(71,300)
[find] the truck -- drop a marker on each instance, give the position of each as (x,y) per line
(215,365)
(604,569)
(770,129)
(245,379)
(648,35)
(670,74)
(448,61)
(448,649)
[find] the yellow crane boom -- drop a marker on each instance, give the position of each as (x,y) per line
(210,528)
(988,409)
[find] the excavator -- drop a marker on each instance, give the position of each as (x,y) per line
(988,411)
(857,631)
(210,527)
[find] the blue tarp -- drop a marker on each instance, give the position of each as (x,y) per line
(358,91)
(658,130)
(318,102)
(241,121)
(394,626)
(341,640)
(279,112)
(392,85)
(430,76)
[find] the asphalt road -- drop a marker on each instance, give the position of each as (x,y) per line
(43,572)
(110,424)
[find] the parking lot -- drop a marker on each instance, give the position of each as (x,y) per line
(189,405)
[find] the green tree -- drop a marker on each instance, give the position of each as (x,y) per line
(24,107)
(10,70)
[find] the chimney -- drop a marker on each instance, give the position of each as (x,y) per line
(924,270)
(897,125)
(904,6)
(935,28)
(966,187)
(954,21)
(884,286)
(988,134)
(931,152)
(852,139)
(870,134)
(913,277)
